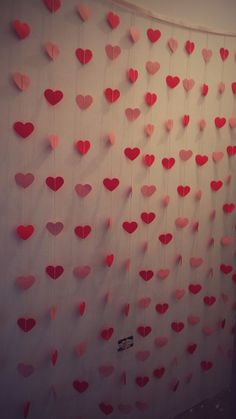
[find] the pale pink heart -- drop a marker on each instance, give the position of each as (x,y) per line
(196,262)
(53,140)
(111,138)
(195,226)
(173,44)
(165,200)
(134,34)
(181,222)
(148,190)
(161,341)
(207,330)
(52,50)
(84,11)
(25,282)
(232,122)
(221,87)
(84,102)
(25,369)
(132,114)
(217,156)
(188,84)
(149,128)
(82,271)
(125,408)
(202,124)
(193,319)
(53,312)
(144,302)
(112,51)
(152,67)
(179,293)
(224,297)
(207,54)
(81,349)
(55,228)
(226,240)
(142,355)
(106,370)
(198,195)
(169,124)
(163,273)
(24,180)
(22,81)
(83,190)
(185,154)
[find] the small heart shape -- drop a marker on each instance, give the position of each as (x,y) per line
(52,50)
(21,80)
(172,44)
(84,12)
(134,34)
(53,140)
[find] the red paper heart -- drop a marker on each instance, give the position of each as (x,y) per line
(209,300)
(200,159)
(172,81)
(189,47)
(25,282)
(159,372)
(216,185)
(132,75)
(204,89)
(148,217)
(113,20)
(24,180)
(82,231)
(130,226)
(106,370)
(25,369)
(84,102)
(148,190)
(131,153)
(84,55)
(53,96)
(111,184)
(80,386)
(22,29)
(177,326)
(107,409)
(82,146)
(111,95)
(83,190)
(112,51)
(162,308)
(23,129)
(148,159)
(142,381)
(153,35)
(109,260)
(82,271)
(54,356)
(26,324)
(165,238)
(168,163)
(191,348)
(146,275)
(194,288)
(185,120)
(219,122)
(231,150)
(226,269)
(206,365)
(144,330)
(55,228)
(54,271)
(24,232)
(54,183)
(132,114)
(224,53)
(228,208)
(183,190)
(106,334)
(233,87)
(150,98)
(53,5)
(81,308)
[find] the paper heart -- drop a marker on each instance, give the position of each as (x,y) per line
(54,271)
(209,300)
(153,35)
(224,53)
(183,190)
(202,124)
(181,222)
(206,365)
(185,154)
(22,29)
(130,226)
(152,67)
(198,195)
(188,84)
(106,370)
(231,150)
(144,302)
(233,87)
(54,183)
(217,156)
(144,330)
(165,200)
(55,228)
(142,406)
(131,153)
(226,240)
(53,140)
(125,309)
(82,231)
(26,324)
(113,20)
(21,80)
(52,50)
(172,81)
(179,260)
(142,381)
(149,129)
(83,190)
(84,12)
(106,334)
(148,159)
(168,163)
(107,409)
(84,55)
(163,273)
(185,120)
(80,386)
(25,282)
(111,95)
(195,262)
(53,5)
(228,207)
(161,341)
(172,44)
(148,217)
(24,180)
(221,87)
(219,122)
(189,47)
(112,51)
(111,138)
(142,355)
(234,278)
(226,269)
(195,225)
(201,159)
(159,372)
(204,89)
(146,275)
(109,260)
(132,114)
(23,129)
(24,232)
(84,102)
(162,308)
(53,312)
(232,122)
(53,96)
(81,308)
(207,331)
(165,238)
(194,288)
(82,146)
(132,75)
(169,124)
(111,184)
(216,185)
(80,349)
(191,348)
(207,54)
(25,369)
(82,271)
(134,34)
(150,98)
(148,190)
(54,357)
(193,320)
(177,326)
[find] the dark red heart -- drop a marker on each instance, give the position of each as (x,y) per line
(23,129)
(132,153)
(231,150)
(233,87)
(219,122)
(183,190)
(82,146)
(24,232)
(172,81)
(224,53)
(132,75)
(150,98)
(109,260)
(228,207)
(113,20)
(165,238)
(52,5)
(80,386)
(106,334)
(177,326)
(53,96)
(200,159)
(54,357)
(168,163)
(206,365)
(54,271)
(204,89)
(159,372)
(189,47)
(185,120)
(195,288)
(144,330)
(83,55)
(162,308)
(111,95)
(191,348)
(209,300)
(26,324)
(82,231)
(111,184)
(130,226)
(226,269)
(142,381)
(148,217)
(146,275)
(21,29)
(107,409)
(153,35)
(54,183)
(216,185)
(148,159)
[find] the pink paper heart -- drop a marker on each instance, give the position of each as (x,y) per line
(25,369)
(142,355)
(152,67)
(165,201)
(217,156)
(53,140)
(188,84)
(55,228)
(52,50)
(232,122)
(193,320)
(53,312)
(84,102)
(144,302)
(83,190)
(24,179)
(207,330)
(221,87)
(226,240)
(148,190)
(81,349)
(173,44)
(169,124)
(179,293)
(185,154)
(112,51)
(196,262)
(132,114)
(84,11)
(163,273)
(111,138)
(134,34)
(181,222)
(106,370)
(161,341)
(198,195)
(82,271)
(202,124)
(125,309)
(22,81)
(207,54)
(149,128)
(25,282)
